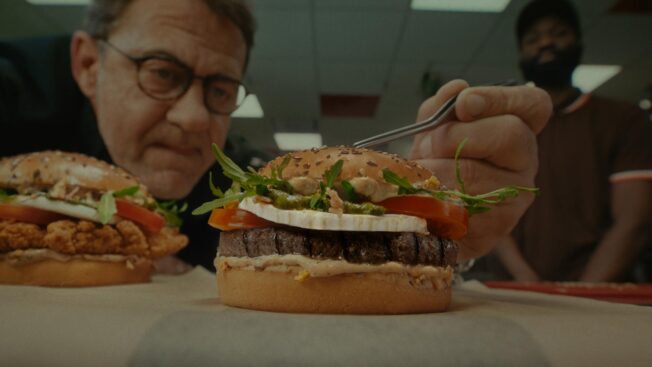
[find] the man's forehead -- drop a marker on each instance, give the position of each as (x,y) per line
(187,29)
(547,22)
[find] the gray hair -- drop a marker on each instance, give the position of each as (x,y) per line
(102,15)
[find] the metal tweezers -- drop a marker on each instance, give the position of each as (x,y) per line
(430,123)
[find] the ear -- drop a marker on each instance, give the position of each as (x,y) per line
(85,63)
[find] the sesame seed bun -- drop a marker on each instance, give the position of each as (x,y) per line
(47,168)
(76,272)
(358,163)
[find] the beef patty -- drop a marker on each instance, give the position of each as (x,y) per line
(355,247)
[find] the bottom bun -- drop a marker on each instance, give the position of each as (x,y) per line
(76,272)
(368,293)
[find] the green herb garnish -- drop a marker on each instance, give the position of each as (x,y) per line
(129,191)
(404,186)
(214,189)
(474,204)
(7,195)
(349,193)
(331,174)
(458,174)
(277,172)
(244,183)
(170,210)
(250,183)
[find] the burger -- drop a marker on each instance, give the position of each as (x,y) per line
(340,230)
(70,220)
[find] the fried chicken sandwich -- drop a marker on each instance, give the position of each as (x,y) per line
(69,220)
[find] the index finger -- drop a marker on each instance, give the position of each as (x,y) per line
(532,105)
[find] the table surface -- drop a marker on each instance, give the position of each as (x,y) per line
(178,321)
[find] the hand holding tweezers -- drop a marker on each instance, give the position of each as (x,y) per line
(431,122)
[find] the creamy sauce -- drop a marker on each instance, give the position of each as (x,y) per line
(439,276)
(374,190)
(18,257)
(304,185)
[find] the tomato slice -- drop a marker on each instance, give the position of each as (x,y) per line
(444,219)
(151,221)
(232,218)
(28,214)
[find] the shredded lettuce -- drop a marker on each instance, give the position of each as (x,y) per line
(106,209)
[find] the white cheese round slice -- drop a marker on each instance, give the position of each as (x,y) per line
(312,219)
(62,207)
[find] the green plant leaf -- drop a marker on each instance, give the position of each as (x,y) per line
(129,191)
(171,212)
(7,195)
(106,208)
(217,203)
(349,193)
(214,189)
(458,174)
(404,186)
(331,174)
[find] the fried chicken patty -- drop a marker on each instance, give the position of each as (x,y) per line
(85,237)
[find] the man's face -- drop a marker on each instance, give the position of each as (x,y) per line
(546,36)
(166,143)
(550,51)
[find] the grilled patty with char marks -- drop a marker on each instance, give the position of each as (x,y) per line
(355,247)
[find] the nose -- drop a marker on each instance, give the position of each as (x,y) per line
(545,40)
(189,111)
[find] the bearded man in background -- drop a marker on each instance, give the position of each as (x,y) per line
(592,219)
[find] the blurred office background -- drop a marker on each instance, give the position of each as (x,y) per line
(342,70)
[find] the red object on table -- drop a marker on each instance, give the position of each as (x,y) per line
(639,294)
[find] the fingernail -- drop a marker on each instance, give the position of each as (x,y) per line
(475,104)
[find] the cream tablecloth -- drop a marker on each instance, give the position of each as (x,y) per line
(178,321)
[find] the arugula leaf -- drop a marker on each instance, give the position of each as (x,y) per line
(458,175)
(404,186)
(277,172)
(331,174)
(129,191)
(314,199)
(474,204)
(214,189)
(319,201)
(171,212)
(217,203)
(282,166)
(349,193)
(106,208)
(231,170)
(7,195)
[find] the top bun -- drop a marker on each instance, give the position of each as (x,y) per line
(358,162)
(48,168)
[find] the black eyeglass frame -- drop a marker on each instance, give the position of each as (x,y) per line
(206,80)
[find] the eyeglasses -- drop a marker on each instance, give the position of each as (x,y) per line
(165,78)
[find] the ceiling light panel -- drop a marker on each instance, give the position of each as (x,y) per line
(480,6)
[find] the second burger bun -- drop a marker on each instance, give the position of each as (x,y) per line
(47,168)
(359,293)
(76,272)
